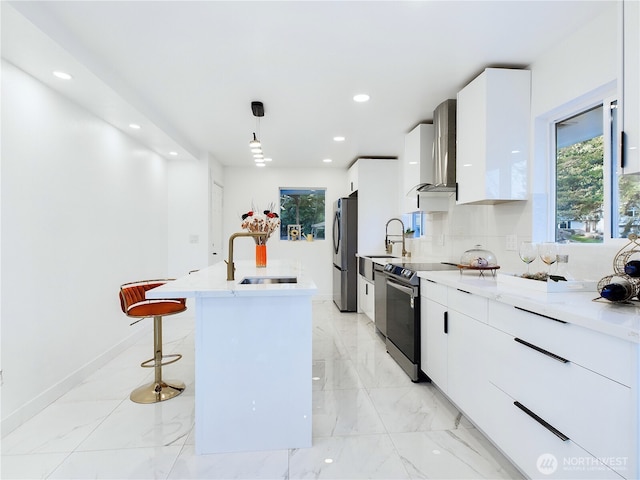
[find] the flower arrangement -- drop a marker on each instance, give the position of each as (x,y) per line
(266,222)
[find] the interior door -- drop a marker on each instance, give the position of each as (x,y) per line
(216,250)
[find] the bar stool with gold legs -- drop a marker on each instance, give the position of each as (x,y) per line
(134,304)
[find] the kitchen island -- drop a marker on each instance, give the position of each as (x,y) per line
(252,356)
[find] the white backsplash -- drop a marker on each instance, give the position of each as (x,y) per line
(448,234)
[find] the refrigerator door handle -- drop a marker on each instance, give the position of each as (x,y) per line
(336,231)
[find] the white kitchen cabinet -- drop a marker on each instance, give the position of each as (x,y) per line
(417,168)
(352,178)
(433,332)
(536,451)
(631,87)
(454,346)
(560,400)
(568,408)
(366,297)
(493,118)
(467,355)
(377,190)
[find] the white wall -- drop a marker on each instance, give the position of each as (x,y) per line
(587,60)
(84,209)
(242,186)
(188,210)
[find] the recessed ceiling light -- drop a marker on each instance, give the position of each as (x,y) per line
(268,159)
(256,150)
(413,163)
(328,460)
(258,155)
(135,126)
(361,97)
(258,160)
(260,165)
(62,75)
(338,139)
(173,153)
(327,160)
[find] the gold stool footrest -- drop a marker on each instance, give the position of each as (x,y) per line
(151,363)
(155,392)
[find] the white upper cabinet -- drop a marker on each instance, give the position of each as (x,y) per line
(631,88)
(352,178)
(493,118)
(417,169)
(376,180)
(418,156)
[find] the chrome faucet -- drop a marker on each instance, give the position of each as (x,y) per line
(389,243)
(231,268)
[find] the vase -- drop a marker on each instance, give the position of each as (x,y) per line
(261,255)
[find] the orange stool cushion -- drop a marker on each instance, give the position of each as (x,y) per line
(134,303)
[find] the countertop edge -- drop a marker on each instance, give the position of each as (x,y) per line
(578,308)
(211,282)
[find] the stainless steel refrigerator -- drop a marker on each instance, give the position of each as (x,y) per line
(345,246)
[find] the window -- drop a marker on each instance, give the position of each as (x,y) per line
(414,221)
(580,177)
(302,212)
(593,200)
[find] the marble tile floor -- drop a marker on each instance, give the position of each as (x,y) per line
(369,421)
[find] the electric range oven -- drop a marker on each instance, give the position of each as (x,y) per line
(403,313)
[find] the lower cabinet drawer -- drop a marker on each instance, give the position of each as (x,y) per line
(433,291)
(604,354)
(534,448)
(591,410)
(469,304)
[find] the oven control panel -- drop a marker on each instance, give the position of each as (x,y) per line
(399,271)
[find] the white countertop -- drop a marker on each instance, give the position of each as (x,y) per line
(212,282)
(622,321)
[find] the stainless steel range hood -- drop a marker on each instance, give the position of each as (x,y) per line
(444,149)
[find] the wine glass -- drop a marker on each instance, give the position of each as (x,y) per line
(548,252)
(528,252)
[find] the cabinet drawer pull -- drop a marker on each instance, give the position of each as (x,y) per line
(540,315)
(446,322)
(541,350)
(545,424)
(463,291)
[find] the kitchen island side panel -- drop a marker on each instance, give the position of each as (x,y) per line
(253,373)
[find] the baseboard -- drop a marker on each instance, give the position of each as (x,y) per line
(35,406)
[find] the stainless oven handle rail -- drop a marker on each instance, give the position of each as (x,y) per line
(408,290)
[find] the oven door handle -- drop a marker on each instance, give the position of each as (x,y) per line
(402,288)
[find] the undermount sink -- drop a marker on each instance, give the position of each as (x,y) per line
(267,280)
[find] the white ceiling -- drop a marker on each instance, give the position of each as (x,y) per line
(188,71)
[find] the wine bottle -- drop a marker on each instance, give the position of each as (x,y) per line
(619,291)
(632,268)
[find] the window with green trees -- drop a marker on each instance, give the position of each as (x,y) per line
(302,211)
(589,187)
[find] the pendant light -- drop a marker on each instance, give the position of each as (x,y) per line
(255,143)
(257,108)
